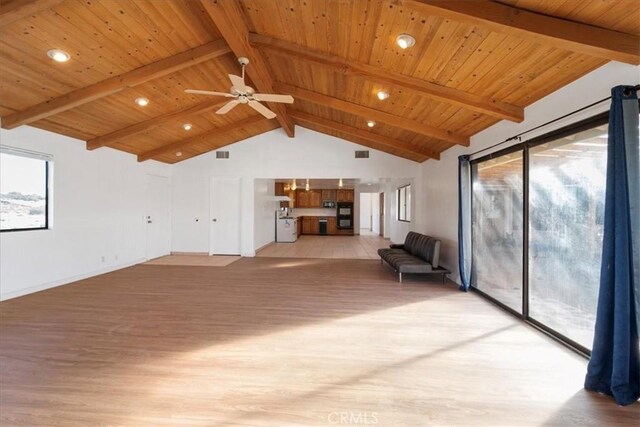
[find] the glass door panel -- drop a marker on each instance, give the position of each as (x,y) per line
(566,215)
(497,207)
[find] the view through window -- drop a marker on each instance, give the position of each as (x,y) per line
(404,203)
(23,193)
(565,183)
(566,211)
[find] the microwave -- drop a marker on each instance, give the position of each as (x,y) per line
(328,204)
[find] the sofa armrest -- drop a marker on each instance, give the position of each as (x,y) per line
(396,246)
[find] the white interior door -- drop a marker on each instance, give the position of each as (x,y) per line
(224,234)
(157,216)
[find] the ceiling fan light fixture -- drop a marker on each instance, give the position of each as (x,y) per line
(405,41)
(143,102)
(371,123)
(382,95)
(58,55)
(187,126)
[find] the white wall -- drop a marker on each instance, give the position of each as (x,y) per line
(271,155)
(439,179)
(264,213)
(98,211)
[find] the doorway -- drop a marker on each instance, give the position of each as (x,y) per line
(157,216)
(370,213)
(381,210)
(224,230)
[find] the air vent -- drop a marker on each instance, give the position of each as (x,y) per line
(222,154)
(362,154)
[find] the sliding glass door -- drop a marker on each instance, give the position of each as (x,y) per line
(497,228)
(566,213)
(537,224)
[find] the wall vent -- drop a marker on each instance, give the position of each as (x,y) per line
(362,154)
(222,154)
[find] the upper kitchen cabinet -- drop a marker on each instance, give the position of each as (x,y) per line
(308,199)
(329,195)
(344,195)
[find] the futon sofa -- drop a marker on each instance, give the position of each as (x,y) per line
(418,254)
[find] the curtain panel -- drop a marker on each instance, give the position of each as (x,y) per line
(614,368)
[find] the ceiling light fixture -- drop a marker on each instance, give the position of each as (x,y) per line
(340,183)
(143,102)
(294,186)
(382,95)
(405,41)
(306,186)
(371,123)
(178,153)
(58,55)
(187,126)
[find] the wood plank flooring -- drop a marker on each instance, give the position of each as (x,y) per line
(283,342)
(340,247)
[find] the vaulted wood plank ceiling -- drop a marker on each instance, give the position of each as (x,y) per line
(474,63)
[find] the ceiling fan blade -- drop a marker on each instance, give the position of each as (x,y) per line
(238,83)
(262,109)
(268,97)
(227,107)
(208,92)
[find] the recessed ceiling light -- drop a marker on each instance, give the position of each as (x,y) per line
(143,102)
(187,126)
(371,123)
(178,153)
(58,55)
(405,41)
(382,95)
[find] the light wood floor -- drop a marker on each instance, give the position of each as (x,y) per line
(195,260)
(275,342)
(340,247)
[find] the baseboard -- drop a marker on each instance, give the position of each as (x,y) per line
(66,280)
(189,253)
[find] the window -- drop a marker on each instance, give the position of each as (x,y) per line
(537,225)
(23,191)
(404,203)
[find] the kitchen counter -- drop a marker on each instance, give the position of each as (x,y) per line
(310,224)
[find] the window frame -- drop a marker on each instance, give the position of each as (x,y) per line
(47,176)
(399,208)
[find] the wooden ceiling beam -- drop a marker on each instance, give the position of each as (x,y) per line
(204,137)
(115,136)
(302,117)
(491,107)
(372,114)
(116,84)
(557,32)
(14,11)
(229,19)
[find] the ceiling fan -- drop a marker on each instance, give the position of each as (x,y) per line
(244,94)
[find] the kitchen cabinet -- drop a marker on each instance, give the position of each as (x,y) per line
(308,199)
(344,195)
(302,199)
(332,225)
(329,195)
(279,190)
